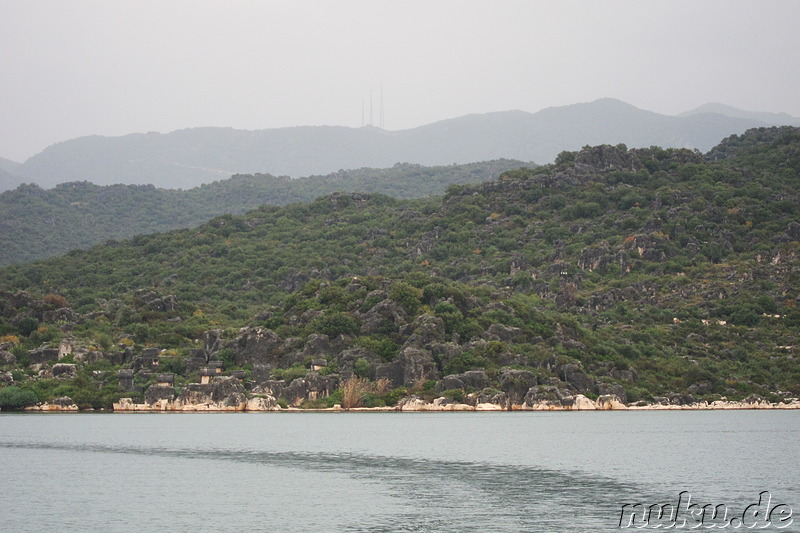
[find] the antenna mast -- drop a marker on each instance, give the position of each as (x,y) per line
(381,116)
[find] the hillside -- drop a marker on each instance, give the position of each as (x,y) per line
(187,158)
(37,223)
(653,275)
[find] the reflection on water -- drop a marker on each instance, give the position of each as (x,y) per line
(367,473)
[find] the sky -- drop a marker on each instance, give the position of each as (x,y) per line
(113,67)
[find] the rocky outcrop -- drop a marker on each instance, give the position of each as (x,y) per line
(312,386)
(576,377)
(472,379)
(222,394)
(62,404)
(256,345)
(262,403)
(412,366)
(159,395)
(384,314)
(64,371)
(152,301)
(516,384)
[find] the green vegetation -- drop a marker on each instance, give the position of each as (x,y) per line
(37,223)
(647,273)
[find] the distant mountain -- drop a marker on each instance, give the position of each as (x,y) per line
(36,223)
(8,165)
(8,180)
(187,158)
(728,111)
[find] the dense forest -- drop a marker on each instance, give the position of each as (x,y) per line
(36,223)
(656,275)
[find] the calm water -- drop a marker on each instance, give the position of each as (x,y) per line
(384,472)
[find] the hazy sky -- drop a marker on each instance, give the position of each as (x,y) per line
(111,67)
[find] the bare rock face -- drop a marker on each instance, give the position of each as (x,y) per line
(548,396)
(487,397)
(64,371)
(411,366)
(43,354)
(576,377)
(223,394)
(411,403)
(6,357)
(612,389)
(312,386)
(516,384)
(64,403)
(152,301)
(607,158)
(256,345)
(472,379)
(262,403)
(383,314)
(6,378)
(228,392)
(608,402)
(499,332)
(156,393)
(424,331)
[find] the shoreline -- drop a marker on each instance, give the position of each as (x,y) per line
(412,404)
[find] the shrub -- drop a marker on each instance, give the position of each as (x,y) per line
(15,398)
(457,395)
(353,392)
(335,324)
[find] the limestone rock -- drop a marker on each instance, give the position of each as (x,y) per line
(572,374)
(516,384)
(255,345)
(262,403)
(411,366)
(424,331)
(608,402)
(382,314)
(64,371)
(157,394)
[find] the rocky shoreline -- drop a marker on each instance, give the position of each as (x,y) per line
(415,404)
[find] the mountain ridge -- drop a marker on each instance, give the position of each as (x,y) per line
(36,223)
(188,157)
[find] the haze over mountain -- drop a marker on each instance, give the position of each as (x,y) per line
(187,158)
(729,111)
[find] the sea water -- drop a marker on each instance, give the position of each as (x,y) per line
(388,472)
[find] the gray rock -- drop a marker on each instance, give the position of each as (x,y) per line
(549,395)
(499,332)
(156,393)
(413,365)
(63,401)
(255,345)
(612,389)
(516,384)
(7,357)
(64,371)
(424,331)
(383,315)
(572,374)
